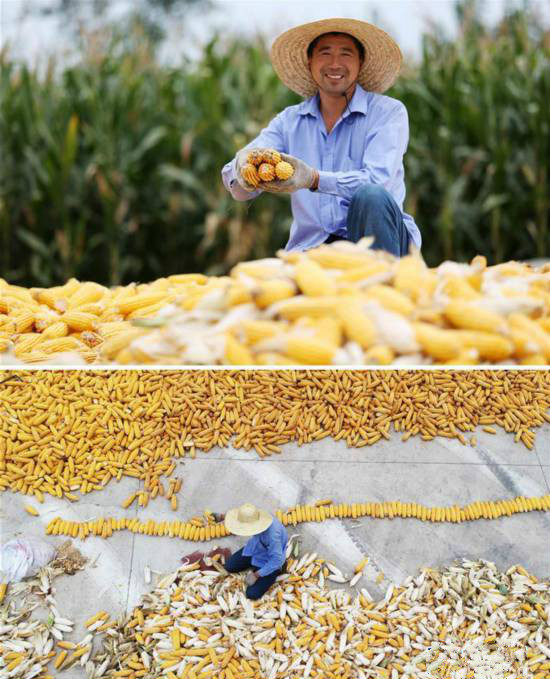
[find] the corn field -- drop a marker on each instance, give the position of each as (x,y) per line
(111,166)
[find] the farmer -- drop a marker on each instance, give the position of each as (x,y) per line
(346,141)
(264,552)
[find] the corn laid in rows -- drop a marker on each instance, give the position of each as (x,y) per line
(70,432)
(341,303)
(469,616)
(193,530)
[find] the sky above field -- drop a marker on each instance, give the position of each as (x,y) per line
(405,20)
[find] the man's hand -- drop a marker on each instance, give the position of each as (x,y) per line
(251,578)
(240,162)
(304,177)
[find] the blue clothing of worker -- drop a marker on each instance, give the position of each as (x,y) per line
(267,549)
(361,175)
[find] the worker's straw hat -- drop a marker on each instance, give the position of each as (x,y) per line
(378,72)
(247,520)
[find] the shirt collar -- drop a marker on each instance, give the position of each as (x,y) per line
(358,104)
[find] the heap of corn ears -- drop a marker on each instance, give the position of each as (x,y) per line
(469,617)
(341,303)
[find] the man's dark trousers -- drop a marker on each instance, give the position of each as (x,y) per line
(374,212)
(237,563)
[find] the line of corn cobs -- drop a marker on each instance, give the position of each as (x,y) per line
(339,304)
(194,530)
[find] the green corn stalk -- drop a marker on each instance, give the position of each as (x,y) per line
(111,166)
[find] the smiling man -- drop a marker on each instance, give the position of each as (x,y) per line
(346,141)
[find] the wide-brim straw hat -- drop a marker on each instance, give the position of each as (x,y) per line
(247,520)
(380,68)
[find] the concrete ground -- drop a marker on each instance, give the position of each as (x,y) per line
(433,473)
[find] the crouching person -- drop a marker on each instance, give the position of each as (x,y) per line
(265,552)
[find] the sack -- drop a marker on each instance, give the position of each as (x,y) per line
(22,557)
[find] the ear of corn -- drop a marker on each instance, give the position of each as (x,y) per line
(469,316)
(270,292)
(254,157)
(358,327)
(250,174)
(312,280)
(271,156)
(443,345)
(235,352)
(284,170)
(266,172)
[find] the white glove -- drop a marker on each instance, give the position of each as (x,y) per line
(250,579)
(301,179)
(240,162)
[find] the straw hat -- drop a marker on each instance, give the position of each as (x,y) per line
(379,70)
(247,520)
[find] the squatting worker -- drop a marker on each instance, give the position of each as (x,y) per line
(265,552)
(346,141)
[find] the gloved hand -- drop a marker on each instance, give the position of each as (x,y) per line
(240,161)
(250,578)
(301,179)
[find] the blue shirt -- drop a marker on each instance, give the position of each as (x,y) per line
(268,549)
(365,146)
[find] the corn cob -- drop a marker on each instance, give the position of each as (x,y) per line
(266,172)
(490,510)
(284,170)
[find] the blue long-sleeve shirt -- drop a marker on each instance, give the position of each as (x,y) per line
(268,549)
(365,146)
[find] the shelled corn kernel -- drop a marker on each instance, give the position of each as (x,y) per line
(69,432)
(301,629)
(210,530)
(341,303)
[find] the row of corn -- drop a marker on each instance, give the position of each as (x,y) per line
(469,618)
(105,527)
(68,432)
(341,303)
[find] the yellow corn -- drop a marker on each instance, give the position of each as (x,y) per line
(357,325)
(79,321)
(141,300)
(489,345)
(468,316)
(391,299)
(312,279)
(441,344)
(236,353)
(269,292)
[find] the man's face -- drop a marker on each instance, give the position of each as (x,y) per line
(335,64)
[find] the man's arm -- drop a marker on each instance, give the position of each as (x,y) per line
(382,159)
(271,137)
(275,556)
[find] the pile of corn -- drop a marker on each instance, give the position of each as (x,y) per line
(470,616)
(210,530)
(28,642)
(337,304)
(63,432)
